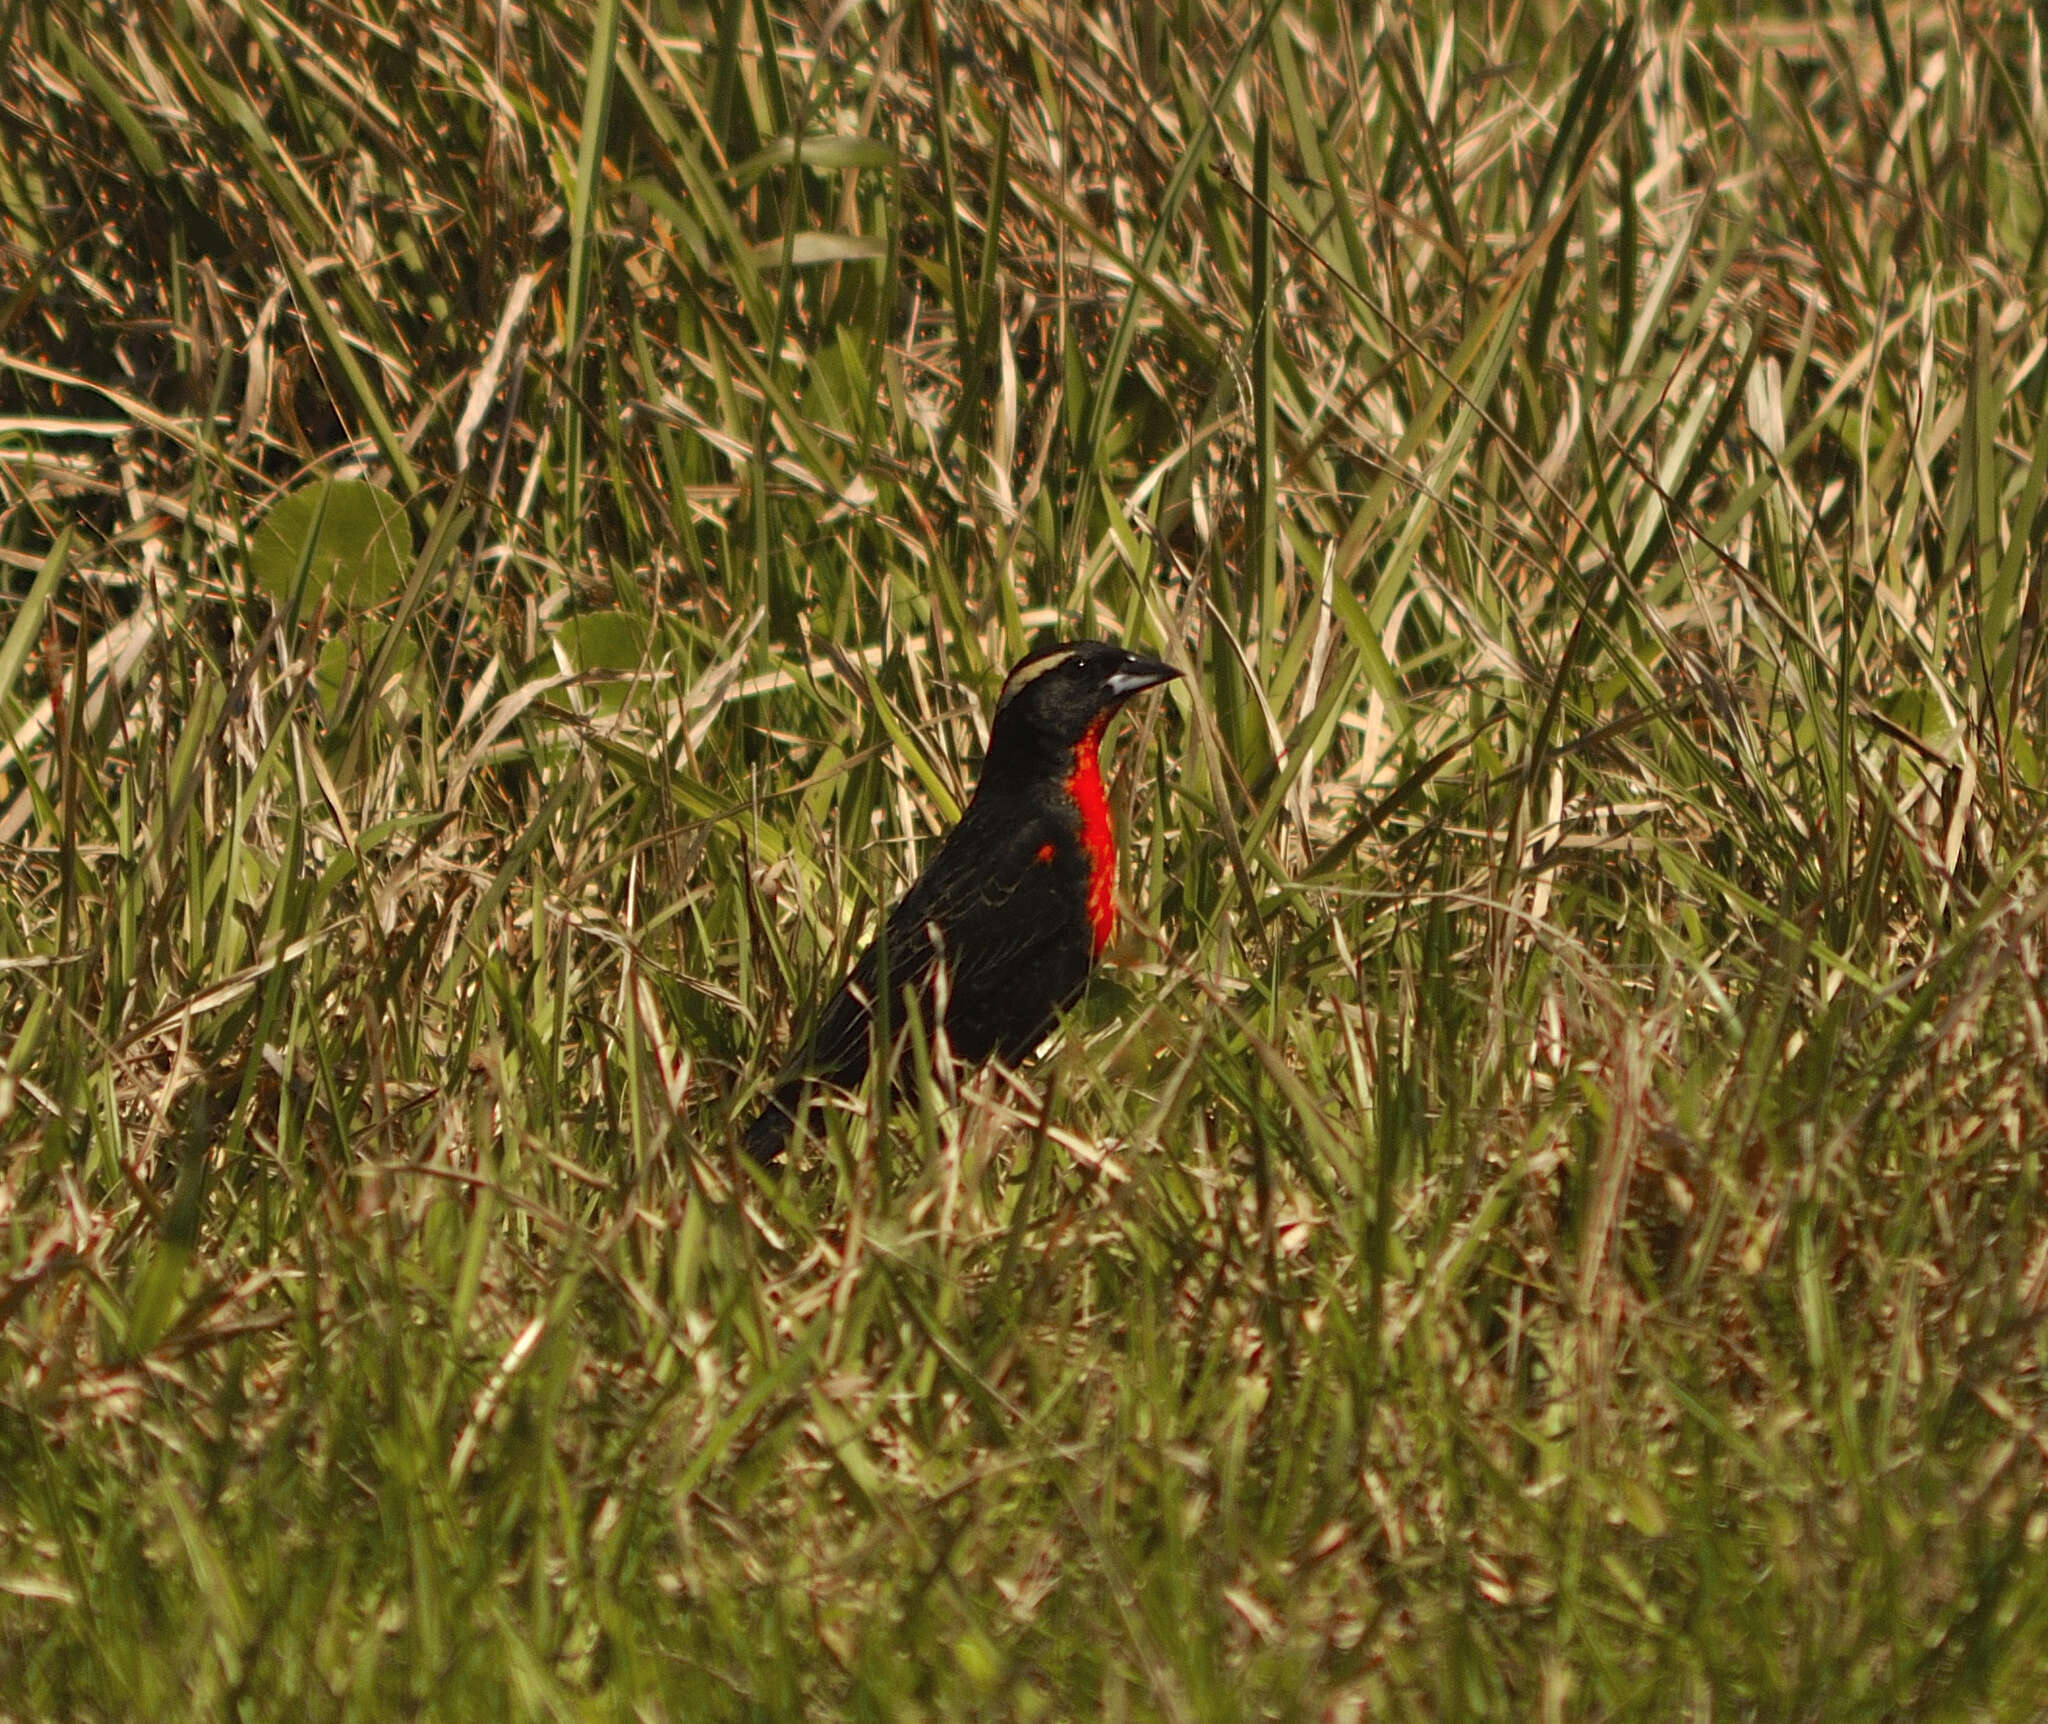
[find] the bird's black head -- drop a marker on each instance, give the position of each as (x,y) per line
(1053,697)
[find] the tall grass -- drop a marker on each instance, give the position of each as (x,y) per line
(1543,1218)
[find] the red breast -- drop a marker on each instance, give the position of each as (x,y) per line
(1098,839)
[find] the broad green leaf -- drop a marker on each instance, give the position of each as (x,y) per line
(351,539)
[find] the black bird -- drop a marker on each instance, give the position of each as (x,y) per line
(1016,906)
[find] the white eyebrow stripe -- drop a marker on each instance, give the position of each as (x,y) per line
(1026,674)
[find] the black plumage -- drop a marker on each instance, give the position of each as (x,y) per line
(1008,917)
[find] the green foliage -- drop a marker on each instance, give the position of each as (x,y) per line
(1544,1215)
(335,541)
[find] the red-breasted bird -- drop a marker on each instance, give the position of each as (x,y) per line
(1017,904)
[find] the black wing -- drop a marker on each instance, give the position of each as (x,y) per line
(1014,937)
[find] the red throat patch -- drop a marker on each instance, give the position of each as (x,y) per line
(1084,785)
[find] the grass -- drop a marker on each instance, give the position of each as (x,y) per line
(1543,1220)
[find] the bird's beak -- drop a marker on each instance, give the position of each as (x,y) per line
(1137,674)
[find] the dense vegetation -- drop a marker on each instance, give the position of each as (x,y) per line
(510,518)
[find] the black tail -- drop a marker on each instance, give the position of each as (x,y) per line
(835,1055)
(769,1133)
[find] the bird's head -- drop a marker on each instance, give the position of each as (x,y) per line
(1055,696)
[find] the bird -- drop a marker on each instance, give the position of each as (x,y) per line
(1001,929)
